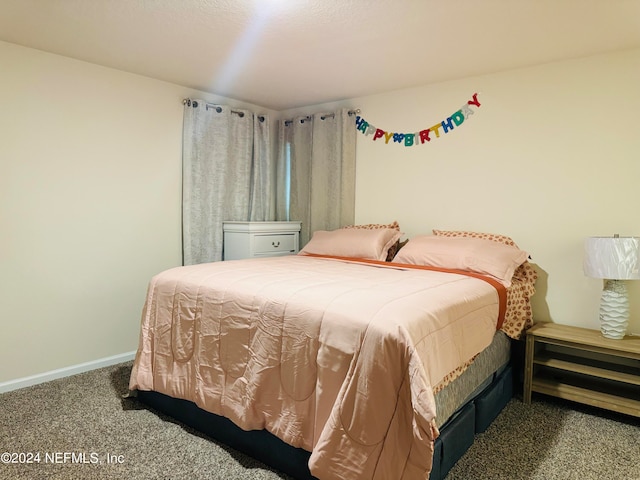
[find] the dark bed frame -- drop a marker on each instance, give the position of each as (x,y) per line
(456,435)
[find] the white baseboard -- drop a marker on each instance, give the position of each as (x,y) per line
(65,372)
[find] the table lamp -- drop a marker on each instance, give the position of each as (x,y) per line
(613,259)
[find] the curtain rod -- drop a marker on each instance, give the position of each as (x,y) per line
(218,108)
(322,117)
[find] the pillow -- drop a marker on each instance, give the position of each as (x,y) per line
(525,272)
(375,226)
(487,236)
(471,254)
(353,242)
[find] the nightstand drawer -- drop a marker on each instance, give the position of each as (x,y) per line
(269,244)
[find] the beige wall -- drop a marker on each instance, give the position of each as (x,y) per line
(90,187)
(551,156)
(90,206)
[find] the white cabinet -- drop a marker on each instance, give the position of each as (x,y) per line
(260,239)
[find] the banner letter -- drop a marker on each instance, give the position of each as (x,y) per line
(466,111)
(388,136)
(408,140)
(474,100)
(458,118)
(447,125)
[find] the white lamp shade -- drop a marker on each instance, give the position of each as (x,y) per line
(613,258)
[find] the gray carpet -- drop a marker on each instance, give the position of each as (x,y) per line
(553,440)
(82,428)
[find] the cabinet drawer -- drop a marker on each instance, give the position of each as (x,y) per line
(269,244)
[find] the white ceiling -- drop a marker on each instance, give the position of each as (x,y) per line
(282,54)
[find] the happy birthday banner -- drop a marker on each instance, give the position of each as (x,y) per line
(418,138)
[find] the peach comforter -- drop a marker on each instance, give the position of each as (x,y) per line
(335,357)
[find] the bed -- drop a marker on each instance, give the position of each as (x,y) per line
(352,360)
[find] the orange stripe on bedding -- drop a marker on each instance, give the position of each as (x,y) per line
(500,288)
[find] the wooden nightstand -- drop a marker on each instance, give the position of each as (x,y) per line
(260,239)
(581,365)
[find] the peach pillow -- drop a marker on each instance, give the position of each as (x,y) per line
(477,255)
(352,242)
(374,226)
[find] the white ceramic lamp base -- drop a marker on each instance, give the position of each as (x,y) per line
(614,310)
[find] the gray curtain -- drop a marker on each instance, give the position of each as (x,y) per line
(263,201)
(294,173)
(226,175)
(316,171)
